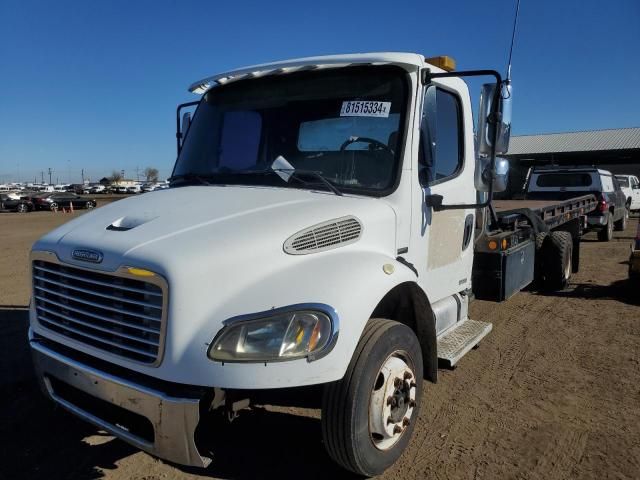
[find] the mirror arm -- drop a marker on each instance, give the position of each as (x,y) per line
(178,131)
(426,76)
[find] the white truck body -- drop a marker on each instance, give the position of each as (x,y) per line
(177,269)
(630,185)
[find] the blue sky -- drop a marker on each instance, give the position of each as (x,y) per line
(94,85)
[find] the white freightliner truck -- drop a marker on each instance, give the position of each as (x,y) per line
(328,221)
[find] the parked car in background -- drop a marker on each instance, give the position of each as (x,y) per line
(53,201)
(99,188)
(119,189)
(630,185)
(14,203)
(560,183)
(134,189)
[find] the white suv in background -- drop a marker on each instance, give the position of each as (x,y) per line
(630,185)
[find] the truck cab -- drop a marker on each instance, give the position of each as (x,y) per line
(319,229)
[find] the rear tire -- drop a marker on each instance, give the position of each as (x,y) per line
(538,268)
(621,224)
(557,256)
(369,415)
(606,234)
(22,208)
(53,206)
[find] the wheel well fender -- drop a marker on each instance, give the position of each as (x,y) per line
(407,303)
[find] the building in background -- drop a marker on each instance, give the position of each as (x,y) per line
(617,150)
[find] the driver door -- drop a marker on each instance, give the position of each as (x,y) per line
(446,168)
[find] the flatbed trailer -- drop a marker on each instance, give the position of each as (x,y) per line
(552,212)
(529,242)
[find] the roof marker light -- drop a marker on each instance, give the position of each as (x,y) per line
(444,62)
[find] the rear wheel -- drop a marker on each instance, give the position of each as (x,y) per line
(89,205)
(621,224)
(22,208)
(557,254)
(606,233)
(368,416)
(53,206)
(538,269)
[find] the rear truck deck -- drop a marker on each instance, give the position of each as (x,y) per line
(526,245)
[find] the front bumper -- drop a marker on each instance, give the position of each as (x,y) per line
(174,420)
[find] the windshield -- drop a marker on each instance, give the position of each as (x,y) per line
(624,181)
(346,124)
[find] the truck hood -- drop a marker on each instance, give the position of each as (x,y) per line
(188,223)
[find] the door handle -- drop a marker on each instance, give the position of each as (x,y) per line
(468,229)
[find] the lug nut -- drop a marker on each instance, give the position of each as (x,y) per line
(406,421)
(407,375)
(397,429)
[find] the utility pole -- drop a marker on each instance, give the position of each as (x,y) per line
(82,173)
(137,174)
(41,177)
(50,171)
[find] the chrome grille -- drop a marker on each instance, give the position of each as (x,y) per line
(324,236)
(112,312)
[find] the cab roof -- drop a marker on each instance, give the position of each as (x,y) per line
(409,61)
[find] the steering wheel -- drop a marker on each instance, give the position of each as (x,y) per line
(371,141)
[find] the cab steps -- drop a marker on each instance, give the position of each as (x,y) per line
(459,339)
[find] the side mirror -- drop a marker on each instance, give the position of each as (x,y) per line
(184,127)
(501,178)
(486,128)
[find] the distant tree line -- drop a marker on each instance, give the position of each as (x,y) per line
(150,173)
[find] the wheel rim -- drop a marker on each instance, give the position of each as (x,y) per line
(22,208)
(393,400)
(89,205)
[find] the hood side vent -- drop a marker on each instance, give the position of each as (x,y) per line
(324,236)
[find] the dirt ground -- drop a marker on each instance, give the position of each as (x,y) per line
(552,393)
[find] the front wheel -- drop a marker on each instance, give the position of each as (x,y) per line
(89,205)
(368,416)
(22,208)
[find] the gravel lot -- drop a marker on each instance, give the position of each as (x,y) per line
(552,393)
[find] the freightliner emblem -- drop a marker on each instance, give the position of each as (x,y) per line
(87,255)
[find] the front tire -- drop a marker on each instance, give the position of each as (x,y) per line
(22,208)
(368,417)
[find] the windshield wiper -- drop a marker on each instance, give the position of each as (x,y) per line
(297,173)
(294,173)
(188,177)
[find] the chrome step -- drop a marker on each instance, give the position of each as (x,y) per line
(459,339)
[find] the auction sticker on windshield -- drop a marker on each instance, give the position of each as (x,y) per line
(360,108)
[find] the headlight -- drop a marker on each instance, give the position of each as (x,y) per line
(280,336)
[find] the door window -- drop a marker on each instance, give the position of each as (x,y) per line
(441,147)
